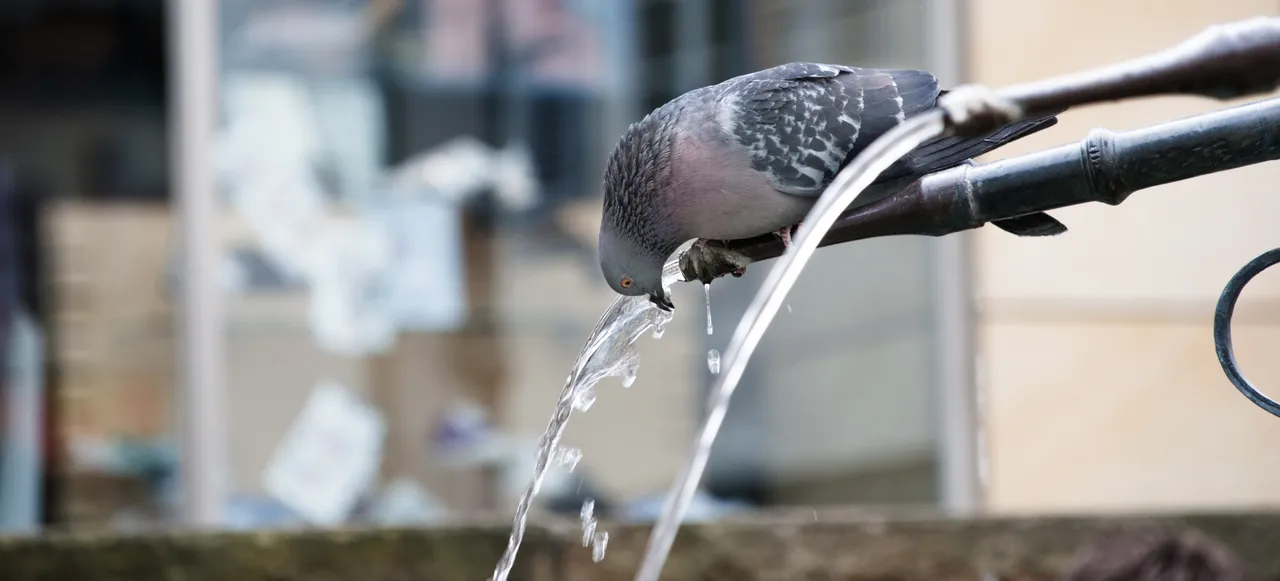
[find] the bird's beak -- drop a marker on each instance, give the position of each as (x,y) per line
(660,299)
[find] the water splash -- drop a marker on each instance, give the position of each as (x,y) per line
(597,540)
(583,400)
(609,351)
(713,361)
(598,546)
(568,458)
(706,289)
(844,189)
(630,366)
(588,518)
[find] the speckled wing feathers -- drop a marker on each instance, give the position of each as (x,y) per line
(802,122)
(891,97)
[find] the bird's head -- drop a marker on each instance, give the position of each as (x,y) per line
(639,228)
(630,269)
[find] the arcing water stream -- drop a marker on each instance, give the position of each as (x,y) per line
(609,350)
(844,189)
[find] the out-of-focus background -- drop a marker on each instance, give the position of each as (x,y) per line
(406,197)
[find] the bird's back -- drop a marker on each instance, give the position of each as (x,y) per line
(801,123)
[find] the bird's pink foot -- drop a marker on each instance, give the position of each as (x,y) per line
(785,235)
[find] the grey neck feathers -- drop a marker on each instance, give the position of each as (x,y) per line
(638,173)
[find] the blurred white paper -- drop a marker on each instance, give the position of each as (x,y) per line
(329,457)
(464,167)
(347,261)
(425,290)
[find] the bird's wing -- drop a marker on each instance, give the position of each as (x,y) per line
(802,122)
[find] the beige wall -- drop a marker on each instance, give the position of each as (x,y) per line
(1096,360)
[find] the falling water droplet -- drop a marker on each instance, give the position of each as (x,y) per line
(588,521)
(628,366)
(788,307)
(713,361)
(584,399)
(568,457)
(706,289)
(598,546)
(658,330)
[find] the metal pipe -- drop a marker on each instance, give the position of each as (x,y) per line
(1105,167)
(200,393)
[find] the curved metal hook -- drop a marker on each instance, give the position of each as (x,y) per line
(1222,329)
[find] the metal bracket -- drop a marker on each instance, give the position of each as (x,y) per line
(1222,329)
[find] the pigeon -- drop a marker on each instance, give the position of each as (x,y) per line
(751,155)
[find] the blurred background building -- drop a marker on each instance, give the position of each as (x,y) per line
(408,193)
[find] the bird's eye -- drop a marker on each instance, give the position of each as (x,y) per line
(626,282)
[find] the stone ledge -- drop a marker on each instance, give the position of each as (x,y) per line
(845,545)
(349,555)
(865,547)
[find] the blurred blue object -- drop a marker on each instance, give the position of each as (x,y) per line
(464,436)
(22,441)
(244,512)
(704,507)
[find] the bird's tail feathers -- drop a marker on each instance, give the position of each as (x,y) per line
(947,152)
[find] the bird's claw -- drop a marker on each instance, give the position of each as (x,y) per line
(705,263)
(785,235)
